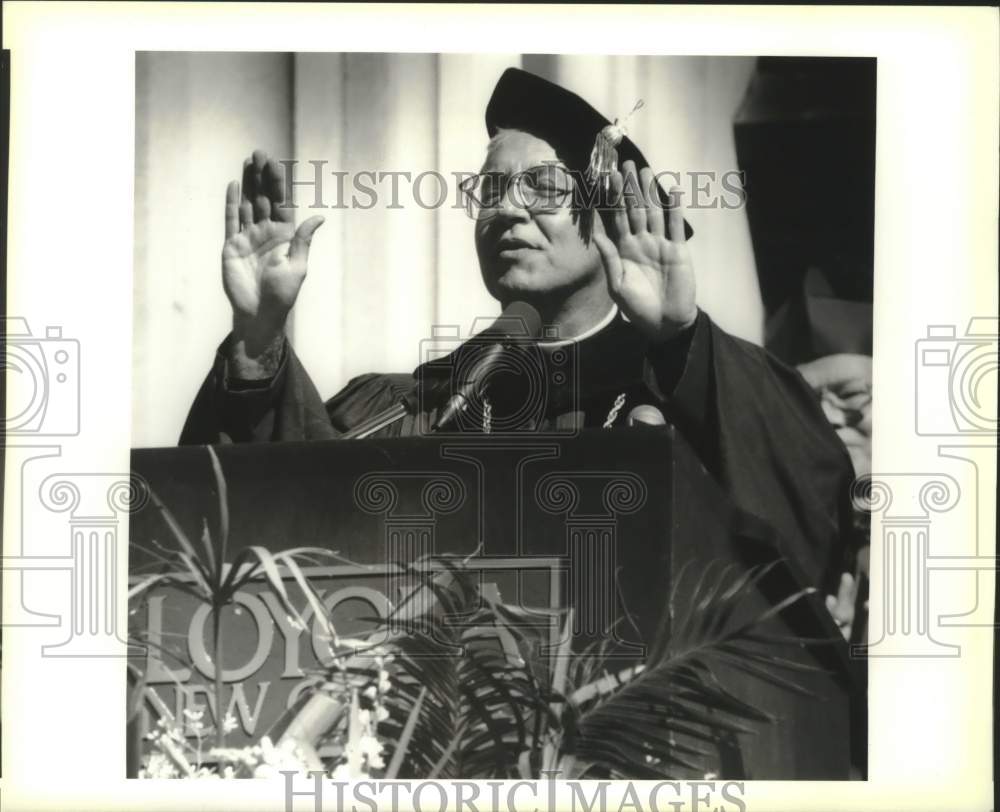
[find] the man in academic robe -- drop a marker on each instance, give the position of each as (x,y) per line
(610,274)
(617,286)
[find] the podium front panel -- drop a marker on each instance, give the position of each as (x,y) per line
(602,522)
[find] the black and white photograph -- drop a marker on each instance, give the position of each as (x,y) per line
(532,391)
(417,407)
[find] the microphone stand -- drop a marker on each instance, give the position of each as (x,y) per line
(400,409)
(530,323)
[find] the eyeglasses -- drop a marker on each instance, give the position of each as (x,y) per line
(538,188)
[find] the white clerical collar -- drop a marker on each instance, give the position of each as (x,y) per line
(561,342)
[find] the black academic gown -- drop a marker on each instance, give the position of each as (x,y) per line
(754,422)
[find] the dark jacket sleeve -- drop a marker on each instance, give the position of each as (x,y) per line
(760,431)
(285,407)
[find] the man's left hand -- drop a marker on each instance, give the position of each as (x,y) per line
(650,275)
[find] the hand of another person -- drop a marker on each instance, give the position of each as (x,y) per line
(650,275)
(264,261)
(841,605)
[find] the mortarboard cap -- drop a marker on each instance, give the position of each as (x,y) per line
(523,101)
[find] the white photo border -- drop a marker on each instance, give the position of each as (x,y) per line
(70,263)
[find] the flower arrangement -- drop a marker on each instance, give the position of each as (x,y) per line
(424,696)
(175,757)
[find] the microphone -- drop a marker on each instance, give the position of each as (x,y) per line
(519,320)
(645,415)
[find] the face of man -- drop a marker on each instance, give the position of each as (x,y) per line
(531,251)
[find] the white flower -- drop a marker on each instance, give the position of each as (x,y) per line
(342,772)
(275,759)
(250,756)
(370,692)
(351,769)
(158,766)
(229,724)
(368,745)
(381,714)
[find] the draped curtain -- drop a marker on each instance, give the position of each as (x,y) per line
(379,278)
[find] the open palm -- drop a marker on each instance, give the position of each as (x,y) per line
(264,257)
(650,275)
(259,273)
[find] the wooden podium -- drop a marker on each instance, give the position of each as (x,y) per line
(603,521)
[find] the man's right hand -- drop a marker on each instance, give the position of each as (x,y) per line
(264,263)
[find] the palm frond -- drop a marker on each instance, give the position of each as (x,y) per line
(449,646)
(404,739)
(187,556)
(678,699)
(475,691)
(223,491)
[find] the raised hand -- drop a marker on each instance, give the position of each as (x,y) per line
(650,275)
(841,605)
(264,257)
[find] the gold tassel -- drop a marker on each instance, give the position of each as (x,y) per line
(604,155)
